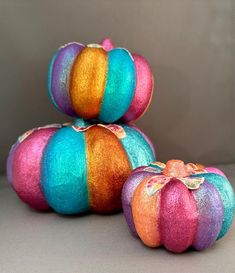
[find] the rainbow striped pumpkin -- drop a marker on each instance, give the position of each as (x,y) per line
(178,206)
(76,167)
(100,82)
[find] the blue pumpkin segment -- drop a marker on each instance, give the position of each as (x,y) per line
(120,85)
(137,148)
(64,172)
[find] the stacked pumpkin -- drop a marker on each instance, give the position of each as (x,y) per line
(82,165)
(100,82)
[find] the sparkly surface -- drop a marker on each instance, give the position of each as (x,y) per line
(26,168)
(59,74)
(143,90)
(64,172)
(185,217)
(127,194)
(108,168)
(87,82)
(137,148)
(145,211)
(227,195)
(175,168)
(178,217)
(210,208)
(147,139)
(215,170)
(120,85)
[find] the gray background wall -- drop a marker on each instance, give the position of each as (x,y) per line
(189,44)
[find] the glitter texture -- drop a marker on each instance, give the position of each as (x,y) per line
(147,139)
(139,150)
(143,90)
(87,82)
(210,208)
(215,170)
(100,82)
(108,169)
(26,163)
(120,85)
(226,192)
(78,167)
(145,211)
(178,216)
(64,174)
(58,76)
(127,195)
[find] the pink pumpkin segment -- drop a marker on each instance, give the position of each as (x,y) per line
(215,170)
(27,161)
(143,90)
(178,217)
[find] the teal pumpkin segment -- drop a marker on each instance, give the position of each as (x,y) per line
(64,172)
(228,198)
(137,148)
(81,122)
(49,79)
(120,85)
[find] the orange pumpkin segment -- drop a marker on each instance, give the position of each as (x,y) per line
(145,211)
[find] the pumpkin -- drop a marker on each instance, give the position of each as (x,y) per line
(100,82)
(178,205)
(76,167)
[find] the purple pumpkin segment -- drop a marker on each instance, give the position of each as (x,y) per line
(178,216)
(26,168)
(60,76)
(127,193)
(143,91)
(215,170)
(210,208)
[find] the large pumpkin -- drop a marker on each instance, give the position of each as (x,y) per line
(177,205)
(100,82)
(76,167)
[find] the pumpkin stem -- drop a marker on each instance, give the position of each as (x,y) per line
(107,44)
(176,168)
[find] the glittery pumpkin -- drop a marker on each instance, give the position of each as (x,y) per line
(76,167)
(177,205)
(100,82)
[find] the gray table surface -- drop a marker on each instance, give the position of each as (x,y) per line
(33,242)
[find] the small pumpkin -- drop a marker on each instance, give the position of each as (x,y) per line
(177,205)
(76,167)
(100,82)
